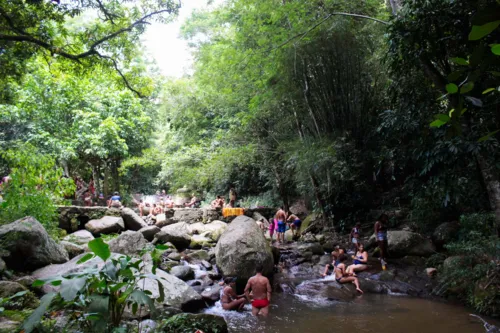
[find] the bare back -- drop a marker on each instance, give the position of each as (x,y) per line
(260,286)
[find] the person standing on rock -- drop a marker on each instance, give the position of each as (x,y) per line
(381,234)
(232,197)
(261,291)
(229,299)
(295,224)
(281,217)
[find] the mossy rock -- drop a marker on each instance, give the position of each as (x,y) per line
(16,315)
(486,297)
(189,323)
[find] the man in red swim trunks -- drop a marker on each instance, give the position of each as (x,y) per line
(261,290)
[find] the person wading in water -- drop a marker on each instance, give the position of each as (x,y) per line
(281,217)
(261,290)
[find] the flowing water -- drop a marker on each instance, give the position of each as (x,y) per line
(367,313)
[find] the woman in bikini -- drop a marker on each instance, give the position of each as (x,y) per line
(360,262)
(381,234)
(229,299)
(342,277)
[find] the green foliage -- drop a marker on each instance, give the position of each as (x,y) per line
(35,186)
(95,298)
(472,273)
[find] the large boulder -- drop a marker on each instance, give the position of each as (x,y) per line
(177,234)
(445,233)
(189,323)
(72,218)
(130,243)
(28,246)
(406,243)
(10,288)
(131,220)
(150,232)
(241,248)
(105,225)
(212,230)
(80,237)
(189,215)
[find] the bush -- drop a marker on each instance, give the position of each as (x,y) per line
(36,185)
(472,273)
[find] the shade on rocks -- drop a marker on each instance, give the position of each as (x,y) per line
(241,248)
(105,225)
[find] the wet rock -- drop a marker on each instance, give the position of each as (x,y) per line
(388,275)
(241,248)
(186,321)
(72,249)
(176,256)
(314,248)
(205,264)
(149,232)
(80,237)
(308,238)
(29,246)
(105,225)
(325,259)
(193,283)
(177,234)
(199,255)
(215,276)
(131,220)
(212,294)
(130,243)
(445,233)
(326,290)
(184,273)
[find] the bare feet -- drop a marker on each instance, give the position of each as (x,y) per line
(323,275)
(360,291)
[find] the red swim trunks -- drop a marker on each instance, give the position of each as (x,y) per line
(260,303)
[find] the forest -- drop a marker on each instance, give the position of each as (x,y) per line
(347,106)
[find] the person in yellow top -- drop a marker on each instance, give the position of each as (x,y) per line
(232,197)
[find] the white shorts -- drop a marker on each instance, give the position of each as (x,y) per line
(354,240)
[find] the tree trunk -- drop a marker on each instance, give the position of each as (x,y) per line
(97,179)
(492,183)
(115,175)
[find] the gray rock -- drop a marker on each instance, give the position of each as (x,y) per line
(211,294)
(105,225)
(149,232)
(189,215)
(176,256)
(212,230)
(406,243)
(9,288)
(210,214)
(241,248)
(185,322)
(131,220)
(72,249)
(8,326)
(80,237)
(314,248)
(130,243)
(26,281)
(177,234)
(168,265)
(3,265)
(206,265)
(199,241)
(29,245)
(184,273)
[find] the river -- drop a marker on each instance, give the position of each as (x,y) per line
(367,313)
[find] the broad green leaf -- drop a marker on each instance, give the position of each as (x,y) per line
(110,269)
(38,283)
(460,61)
(451,88)
(437,123)
(488,91)
(138,296)
(32,322)
(71,287)
(162,292)
(495,49)
(480,31)
(489,135)
(162,247)
(443,117)
(18,294)
(453,76)
(85,258)
(466,87)
(100,248)
(99,307)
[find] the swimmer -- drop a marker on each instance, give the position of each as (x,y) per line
(342,277)
(229,299)
(261,290)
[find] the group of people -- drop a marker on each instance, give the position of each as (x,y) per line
(257,292)
(279,222)
(220,202)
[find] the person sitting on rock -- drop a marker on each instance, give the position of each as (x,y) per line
(169,203)
(115,200)
(360,262)
(341,276)
(218,203)
(156,210)
(335,255)
(229,299)
(193,202)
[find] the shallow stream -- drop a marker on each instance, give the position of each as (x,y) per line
(367,313)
